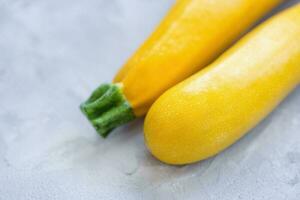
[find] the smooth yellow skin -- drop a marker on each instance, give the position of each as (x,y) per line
(211,110)
(192,34)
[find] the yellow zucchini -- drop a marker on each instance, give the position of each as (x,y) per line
(212,109)
(192,34)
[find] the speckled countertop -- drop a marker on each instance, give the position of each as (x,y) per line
(52,54)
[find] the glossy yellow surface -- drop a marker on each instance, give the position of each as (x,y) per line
(209,111)
(192,34)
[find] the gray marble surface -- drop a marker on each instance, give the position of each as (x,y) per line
(53,53)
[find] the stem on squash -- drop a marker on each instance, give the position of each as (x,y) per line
(107,108)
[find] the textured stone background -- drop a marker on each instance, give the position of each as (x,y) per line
(53,53)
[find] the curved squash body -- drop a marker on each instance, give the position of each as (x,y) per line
(209,111)
(192,34)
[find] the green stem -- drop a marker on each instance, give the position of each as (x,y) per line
(107,108)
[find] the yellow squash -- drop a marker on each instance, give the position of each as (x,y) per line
(190,37)
(211,110)
(192,34)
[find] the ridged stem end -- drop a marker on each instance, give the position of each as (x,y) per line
(107,108)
